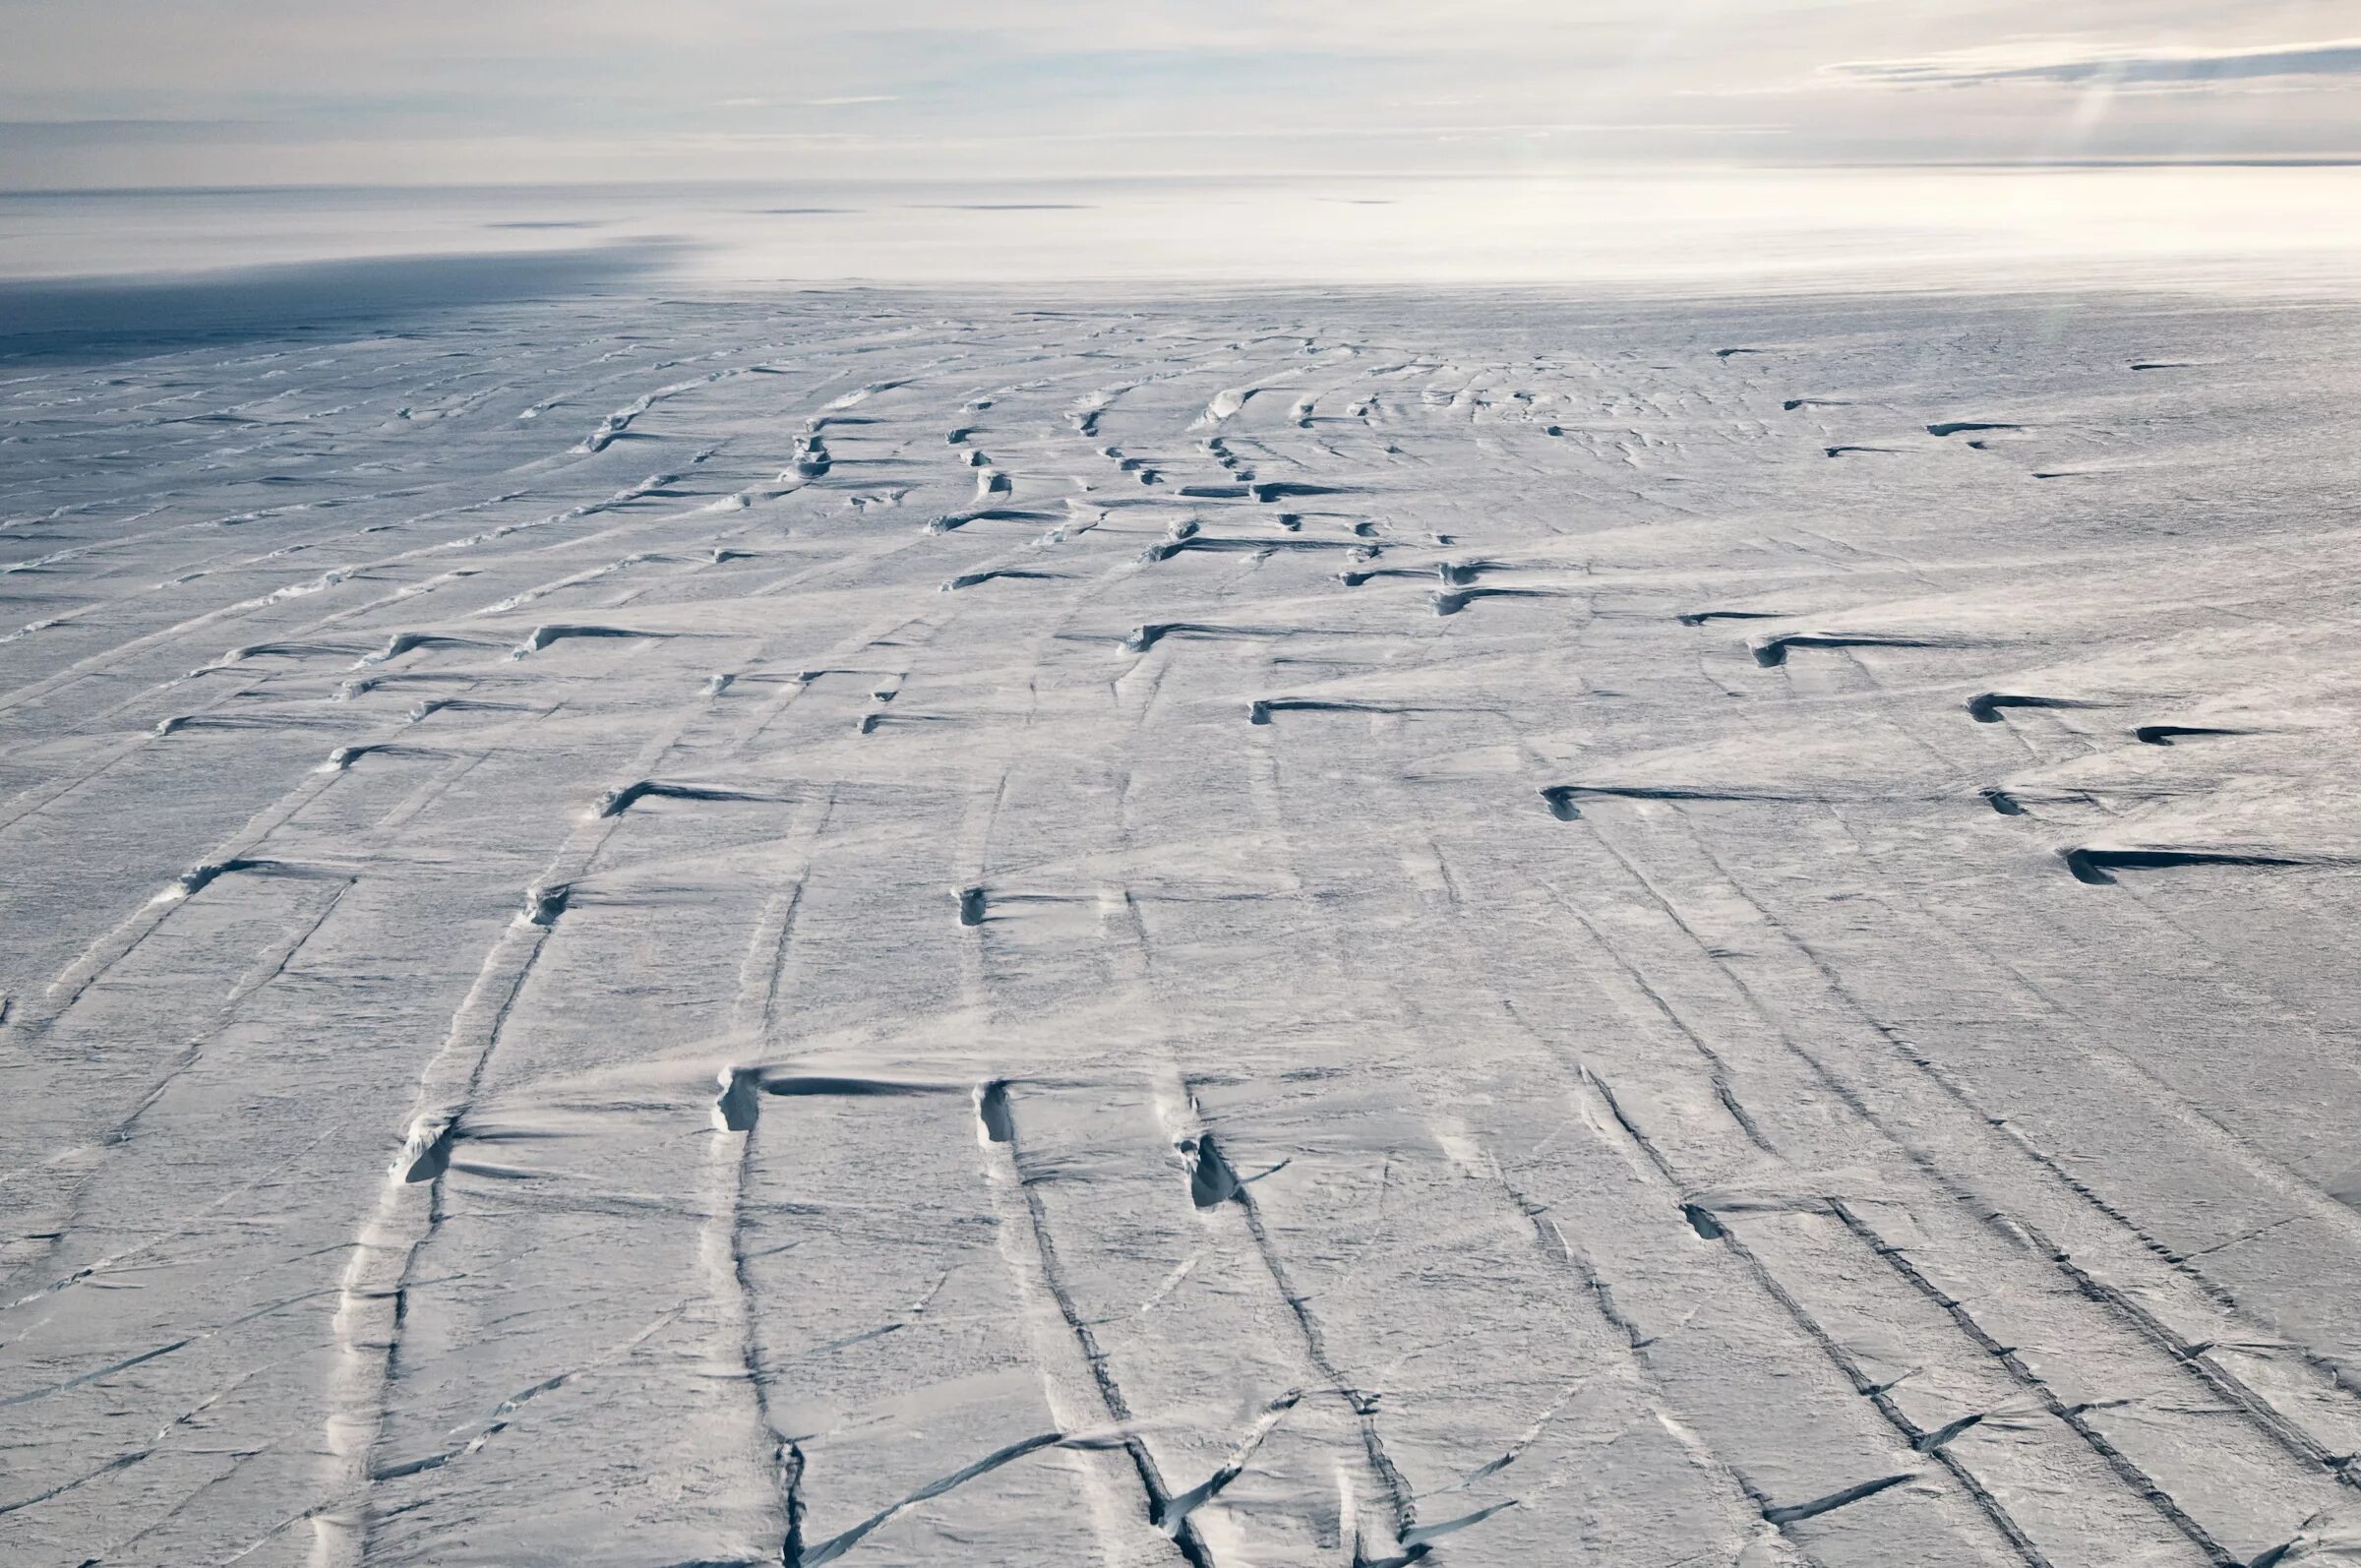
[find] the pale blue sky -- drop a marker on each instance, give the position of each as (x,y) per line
(236,92)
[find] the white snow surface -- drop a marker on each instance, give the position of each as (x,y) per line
(1304,928)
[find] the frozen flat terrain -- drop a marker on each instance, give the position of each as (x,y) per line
(1647,232)
(1295,929)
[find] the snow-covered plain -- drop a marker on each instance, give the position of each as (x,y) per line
(1292,930)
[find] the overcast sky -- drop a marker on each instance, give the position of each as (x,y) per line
(233,92)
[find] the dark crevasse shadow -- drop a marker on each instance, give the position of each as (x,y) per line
(73,318)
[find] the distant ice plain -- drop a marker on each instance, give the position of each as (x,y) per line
(1688,231)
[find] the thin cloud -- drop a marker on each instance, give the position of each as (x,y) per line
(810,103)
(2122,65)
